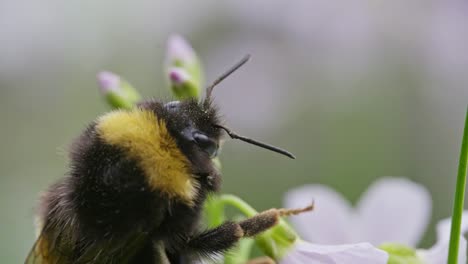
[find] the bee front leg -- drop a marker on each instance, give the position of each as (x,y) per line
(225,236)
(216,240)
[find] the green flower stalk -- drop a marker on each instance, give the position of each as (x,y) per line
(183,69)
(117,92)
(459,198)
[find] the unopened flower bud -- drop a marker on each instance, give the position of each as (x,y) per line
(108,82)
(178,76)
(182,84)
(179,51)
(118,92)
(183,68)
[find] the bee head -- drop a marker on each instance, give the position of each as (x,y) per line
(174,143)
(191,125)
(197,127)
(195,124)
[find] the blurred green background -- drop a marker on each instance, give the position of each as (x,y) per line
(357,90)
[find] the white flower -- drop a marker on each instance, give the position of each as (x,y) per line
(307,253)
(393,210)
(437,254)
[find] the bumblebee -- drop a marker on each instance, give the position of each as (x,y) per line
(136,186)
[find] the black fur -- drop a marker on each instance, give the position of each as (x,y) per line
(104,211)
(191,114)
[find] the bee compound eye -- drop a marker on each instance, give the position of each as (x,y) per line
(174,105)
(200,138)
(206,144)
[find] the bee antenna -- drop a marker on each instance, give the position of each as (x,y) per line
(233,135)
(223,76)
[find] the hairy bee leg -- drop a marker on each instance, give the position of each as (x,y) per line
(217,239)
(259,223)
(267,219)
(226,235)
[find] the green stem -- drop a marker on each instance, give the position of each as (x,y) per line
(238,203)
(459,198)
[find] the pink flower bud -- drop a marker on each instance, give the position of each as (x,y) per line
(108,82)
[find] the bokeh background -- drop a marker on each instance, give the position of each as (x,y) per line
(356,89)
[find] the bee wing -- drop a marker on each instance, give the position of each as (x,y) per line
(36,256)
(40,253)
(45,251)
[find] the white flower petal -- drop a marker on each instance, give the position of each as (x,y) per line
(329,223)
(394,210)
(444,226)
(439,252)
(307,253)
